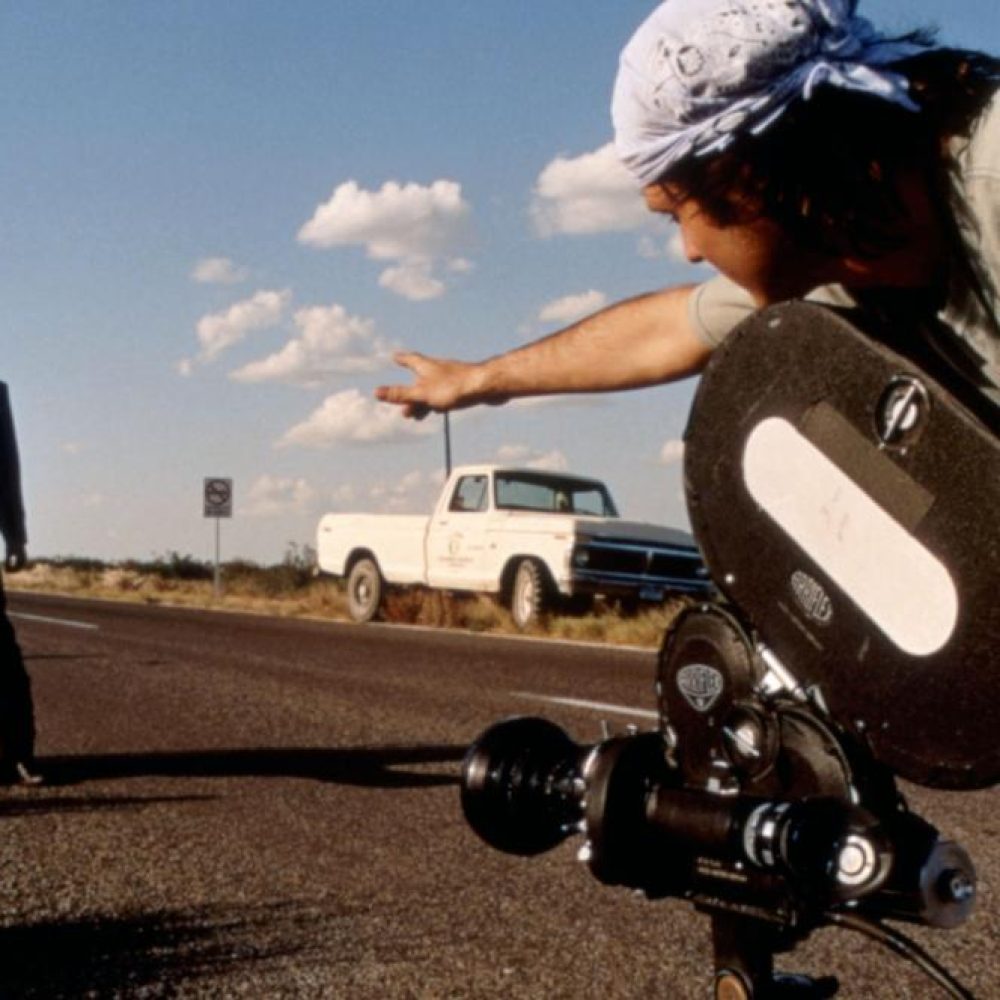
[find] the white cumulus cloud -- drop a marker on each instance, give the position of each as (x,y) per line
(397,221)
(558,401)
(414,492)
(413,280)
(672,452)
(530,458)
(271,495)
(344,496)
(672,248)
(419,226)
(592,193)
(511,454)
(348,417)
(219,331)
(330,342)
(218,271)
(572,307)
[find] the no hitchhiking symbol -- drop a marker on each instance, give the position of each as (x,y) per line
(218,497)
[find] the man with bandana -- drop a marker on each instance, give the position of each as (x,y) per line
(17,717)
(802,153)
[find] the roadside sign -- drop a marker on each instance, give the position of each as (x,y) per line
(218,497)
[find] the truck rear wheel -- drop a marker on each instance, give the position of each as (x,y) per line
(528,593)
(364,590)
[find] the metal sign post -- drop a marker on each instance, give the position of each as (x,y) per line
(218,504)
(447,445)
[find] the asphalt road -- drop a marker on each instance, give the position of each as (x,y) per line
(245,806)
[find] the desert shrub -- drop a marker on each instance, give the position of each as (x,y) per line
(292,588)
(483,614)
(324,597)
(243,576)
(293,575)
(411,606)
(78,564)
(172,566)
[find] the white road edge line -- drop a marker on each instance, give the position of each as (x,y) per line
(596,706)
(51,621)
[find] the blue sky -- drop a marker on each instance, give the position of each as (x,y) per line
(217,220)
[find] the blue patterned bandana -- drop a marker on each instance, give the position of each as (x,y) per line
(698,72)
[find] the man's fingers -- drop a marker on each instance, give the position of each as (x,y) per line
(402,395)
(391,393)
(408,359)
(410,397)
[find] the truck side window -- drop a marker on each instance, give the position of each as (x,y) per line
(469,495)
(592,501)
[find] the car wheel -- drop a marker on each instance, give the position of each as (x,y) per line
(364,590)
(527,594)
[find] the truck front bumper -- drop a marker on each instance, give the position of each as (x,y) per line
(650,572)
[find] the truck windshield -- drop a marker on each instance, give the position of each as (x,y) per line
(552,494)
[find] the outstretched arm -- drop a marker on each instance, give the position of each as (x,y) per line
(639,342)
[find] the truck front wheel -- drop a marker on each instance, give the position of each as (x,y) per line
(364,590)
(528,593)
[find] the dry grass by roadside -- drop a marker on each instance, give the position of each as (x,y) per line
(291,590)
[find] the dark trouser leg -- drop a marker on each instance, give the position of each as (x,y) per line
(17,713)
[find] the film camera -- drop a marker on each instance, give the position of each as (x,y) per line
(844,499)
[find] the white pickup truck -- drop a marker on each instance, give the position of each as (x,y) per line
(539,540)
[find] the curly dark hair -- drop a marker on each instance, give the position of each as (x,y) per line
(828,170)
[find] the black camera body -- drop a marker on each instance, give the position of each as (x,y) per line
(835,488)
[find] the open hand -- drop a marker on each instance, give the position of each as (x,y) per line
(438,385)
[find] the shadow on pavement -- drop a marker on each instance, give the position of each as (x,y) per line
(374,767)
(37,803)
(37,657)
(149,954)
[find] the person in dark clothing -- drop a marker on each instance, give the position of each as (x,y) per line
(17,714)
